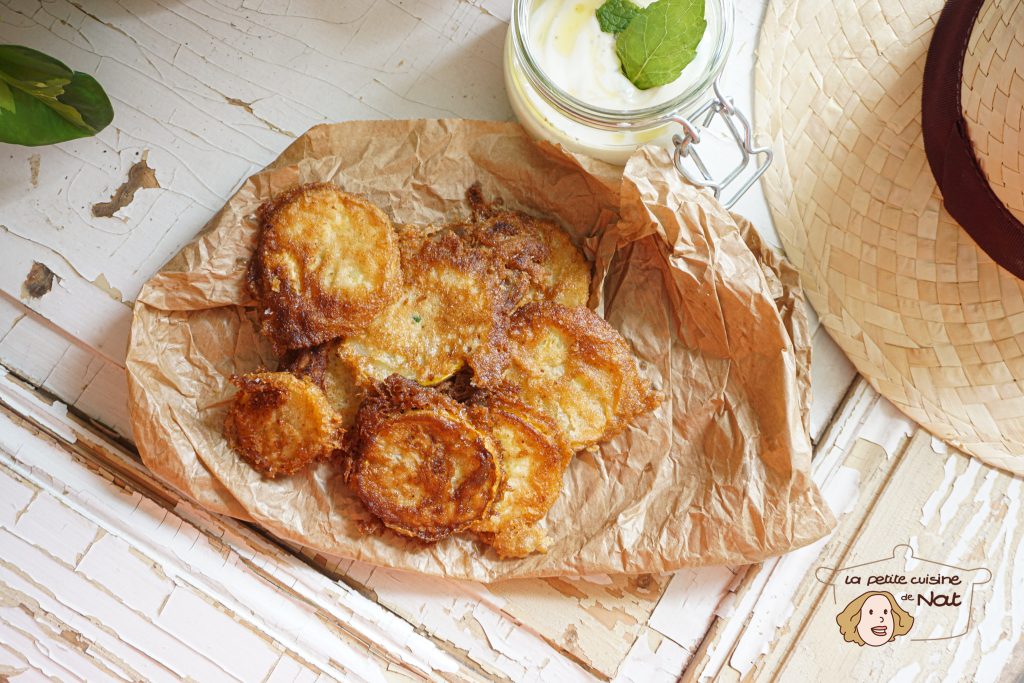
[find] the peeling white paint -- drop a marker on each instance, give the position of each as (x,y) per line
(962,488)
(886,426)
(931,506)
(653,659)
(1006,562)
(689,604)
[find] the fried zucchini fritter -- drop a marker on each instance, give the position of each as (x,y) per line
(534,456)
(419,464)
(327,262)
(536,251)
(280,423)
(574,367)
(324,366)
(452,312)
(565,274)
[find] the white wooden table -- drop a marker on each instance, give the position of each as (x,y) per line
(107,574)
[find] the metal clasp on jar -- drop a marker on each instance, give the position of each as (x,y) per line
(685,147)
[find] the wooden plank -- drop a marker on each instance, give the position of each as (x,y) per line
(832,376)
(120,604)
(63,366)
(86,313)
(953,510)
(477,621)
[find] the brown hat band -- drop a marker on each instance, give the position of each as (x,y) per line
(966,193)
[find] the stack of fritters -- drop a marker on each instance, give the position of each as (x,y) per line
(450,370)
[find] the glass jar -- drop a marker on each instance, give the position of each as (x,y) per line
(549,112)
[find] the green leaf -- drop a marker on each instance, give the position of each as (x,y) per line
(615,15)
(86,95)
(660,41)
(6,98)
(32,66)
(42,101)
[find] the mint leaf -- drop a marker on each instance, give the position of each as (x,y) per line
(660,41)
(615,15)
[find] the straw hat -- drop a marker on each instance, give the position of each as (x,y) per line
(926,315)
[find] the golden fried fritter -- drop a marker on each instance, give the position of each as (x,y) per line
(534,455)
(412,238)
(419,464)
(452,312)
(537,251)
(565,274)
(324,366)
(573,366)
(280,423)
(327,262)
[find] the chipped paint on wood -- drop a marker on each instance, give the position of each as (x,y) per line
(77,307)
(600,620)
(140,177)
(38,281)
(467,617)
(113,292)
(33,169)
(65,369)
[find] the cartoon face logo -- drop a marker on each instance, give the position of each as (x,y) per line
(874,619)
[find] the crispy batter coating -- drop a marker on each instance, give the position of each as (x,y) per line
(565,276)
(412,238)
(534,456)
(571,365)
(537,253)
(324,366)
(327,262)
(280,423)
(452,312)
(419,463)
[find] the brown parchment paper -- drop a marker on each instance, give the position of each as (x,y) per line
(719,474)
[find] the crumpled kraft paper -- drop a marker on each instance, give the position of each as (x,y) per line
(719,474)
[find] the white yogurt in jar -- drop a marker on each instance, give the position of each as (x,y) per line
(567,45)
(567,42)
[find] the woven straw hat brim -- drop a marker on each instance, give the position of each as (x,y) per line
(992,98)
(925,315)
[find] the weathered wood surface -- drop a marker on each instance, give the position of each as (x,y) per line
(103,570)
